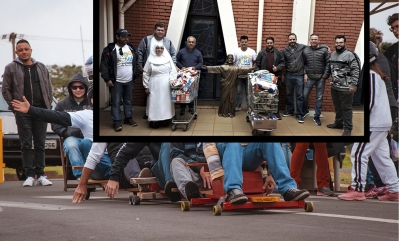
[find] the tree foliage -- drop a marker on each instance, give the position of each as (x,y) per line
(60,77)
(384,46)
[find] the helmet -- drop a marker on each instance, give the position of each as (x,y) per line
(373,52)
(89,69)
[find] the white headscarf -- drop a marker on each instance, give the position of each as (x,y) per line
(165,57)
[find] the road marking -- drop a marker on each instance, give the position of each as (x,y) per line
(38,206)
(66,197)
(338,216)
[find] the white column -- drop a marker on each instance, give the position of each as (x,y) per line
(360,45)
(103,41)
(228,25)
(110,29)
(177,21)
(303,19)
(260,25)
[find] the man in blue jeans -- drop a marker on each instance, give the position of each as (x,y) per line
(227,160)
(119,69)
(294,63)
(315,60)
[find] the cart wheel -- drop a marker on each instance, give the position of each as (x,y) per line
(173,127)
(185,128)
(247,119)
(87,195)
(309,206)
(267,133)
(195,116)
(185,206)
(254,132)
(134,200)
(217,210)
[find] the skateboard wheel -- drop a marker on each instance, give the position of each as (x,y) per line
(309,206)
(217,210)
(185,206)
(87,195)
(136,200)
(130,199)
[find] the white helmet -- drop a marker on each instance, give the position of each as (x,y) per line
(89,69)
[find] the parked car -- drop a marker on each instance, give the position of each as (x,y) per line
(12,146)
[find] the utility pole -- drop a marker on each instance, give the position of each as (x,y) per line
(11,38)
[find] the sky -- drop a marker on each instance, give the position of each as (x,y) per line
(49,26)
(378,21)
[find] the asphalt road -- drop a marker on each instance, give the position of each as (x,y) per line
(47,213)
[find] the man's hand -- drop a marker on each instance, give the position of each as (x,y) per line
(352,90)
(274,68)
(204,67)
(112,188)
(21,106)
(80,193)
(207,181)
(305,78)
(110,83)
(269,185)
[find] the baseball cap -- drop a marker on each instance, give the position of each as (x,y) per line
(123,32)
(373,52)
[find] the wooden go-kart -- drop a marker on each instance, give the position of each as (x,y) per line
(253,188)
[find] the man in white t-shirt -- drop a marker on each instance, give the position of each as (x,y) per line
(244,57)
(119,69)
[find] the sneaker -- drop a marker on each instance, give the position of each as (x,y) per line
(278,116)
(306,114)
(236,196)
(352,195)
(238,108)
(325,192)
(130,122)
(145,172)
(346,133)
(287,113)
(117,127)
(192,190)
(28,182)
(44,181)
(390,196)
(373,192)
(293,194)
(317,121)
(173,196)
(368,187)
(300,119)
(334,126)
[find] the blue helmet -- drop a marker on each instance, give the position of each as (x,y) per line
(89,68)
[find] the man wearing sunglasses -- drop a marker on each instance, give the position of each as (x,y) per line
(119,69)
(75,101)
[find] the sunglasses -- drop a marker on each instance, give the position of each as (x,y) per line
(393,28)
(81,87)
(120,52)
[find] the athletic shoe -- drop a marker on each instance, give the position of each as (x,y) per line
(300,119)
(293,194)
(325,191)
(117,127)
(306,114)
(236,196)
(130,122)
(372,192)
(28,182)
(390,196)
(352,195)
(346,133)
(145,172)
(334,126)
(287,113)
(44,181)
(238,108)
(278,116)
(317,121)
(192,190)
(173,196)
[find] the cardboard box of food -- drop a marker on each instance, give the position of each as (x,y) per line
(265,124)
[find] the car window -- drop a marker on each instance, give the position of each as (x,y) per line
(3,103)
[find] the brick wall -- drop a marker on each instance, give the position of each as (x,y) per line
(331,18)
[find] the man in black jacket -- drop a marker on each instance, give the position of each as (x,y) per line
(293,54)
(75,101)
(315,60)
(272,60)
(119,69)
(392,52)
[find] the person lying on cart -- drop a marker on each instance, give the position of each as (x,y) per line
(132,170)
(82,119)
(227,160)
(188,179)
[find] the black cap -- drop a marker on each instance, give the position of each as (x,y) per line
(122,32)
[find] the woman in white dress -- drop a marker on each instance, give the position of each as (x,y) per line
(157,72)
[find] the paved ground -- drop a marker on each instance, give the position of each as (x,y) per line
(46,213)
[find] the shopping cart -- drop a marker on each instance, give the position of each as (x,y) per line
(263,97)
(185,94)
